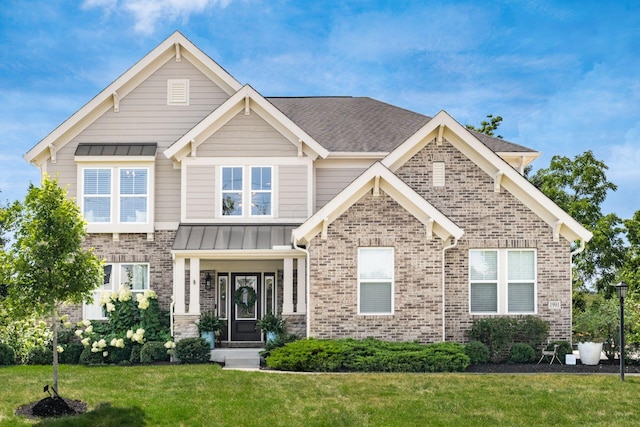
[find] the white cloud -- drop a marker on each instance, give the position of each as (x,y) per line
(147,13)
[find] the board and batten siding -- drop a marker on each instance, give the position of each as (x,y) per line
(292,192)
(244,136)
(200,192)
(330,181)
(144,116)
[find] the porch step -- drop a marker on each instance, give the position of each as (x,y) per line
(237,358)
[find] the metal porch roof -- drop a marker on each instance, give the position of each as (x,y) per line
(232,237)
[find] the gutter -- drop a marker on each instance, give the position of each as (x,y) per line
(444,249)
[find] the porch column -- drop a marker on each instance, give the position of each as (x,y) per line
(194,290)
(287,303)
(178,286)
(301,304)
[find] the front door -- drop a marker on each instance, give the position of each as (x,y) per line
(245,306)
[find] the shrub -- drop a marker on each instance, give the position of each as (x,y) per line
(135,354)
(88,357)
(40,356)
(368,355)
(71,353)
(477,352)
(500,333)
(118,355)
(193,350)
(153,351)
(521,353)
(7,355)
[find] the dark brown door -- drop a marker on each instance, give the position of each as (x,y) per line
(245,306)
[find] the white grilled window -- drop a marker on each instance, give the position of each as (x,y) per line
(178,92)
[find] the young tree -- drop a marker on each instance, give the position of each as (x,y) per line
(580,186)
(45,265)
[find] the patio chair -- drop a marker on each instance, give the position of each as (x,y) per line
(552,354)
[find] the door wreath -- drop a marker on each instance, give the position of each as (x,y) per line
(239,294)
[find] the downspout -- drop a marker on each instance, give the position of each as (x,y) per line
(444,249)
(308,277)
(171,308)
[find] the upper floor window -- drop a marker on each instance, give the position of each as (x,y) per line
(237,192)
(375,280)
(129,203)
(502,281)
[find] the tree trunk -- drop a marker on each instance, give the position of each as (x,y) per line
(55,349)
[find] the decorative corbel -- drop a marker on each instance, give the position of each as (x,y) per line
(376,186)
(193,148)
(52,152)
(300,145)
(116,102)
(429,226)
(497,181)
(178,55)
(325,228)
(440,134)
(247,110)
(556,230)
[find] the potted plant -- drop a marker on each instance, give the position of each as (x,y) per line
(272,325)
(590,331)
(210,326)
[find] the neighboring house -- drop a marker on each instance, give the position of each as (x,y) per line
(349,216)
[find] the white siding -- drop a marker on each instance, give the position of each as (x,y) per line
(292,192)
(200,197)
(246,136)
(330,181)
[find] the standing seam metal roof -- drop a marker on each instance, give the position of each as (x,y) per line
(198,237)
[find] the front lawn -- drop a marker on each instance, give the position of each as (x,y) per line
(205,395)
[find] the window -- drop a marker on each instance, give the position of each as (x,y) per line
(96,195)
(260,191)
(129,204)
(255,190)
(232,191)
(375,280)
(115,275)
(133,195)
(502,281)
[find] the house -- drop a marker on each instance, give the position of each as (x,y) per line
(349,216)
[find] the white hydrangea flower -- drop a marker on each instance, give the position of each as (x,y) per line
(85,342)
(124,294)
(89,329)
(110,307)
(150,294)
(129,333)
(143,303)
(114,341)
(139,297)
(79,332)
(86,322)
(105,353)
(60,349)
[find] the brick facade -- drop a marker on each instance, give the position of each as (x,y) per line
(489,219)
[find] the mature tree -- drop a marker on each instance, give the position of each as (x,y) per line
(46,265)
(488,126)
(580,186)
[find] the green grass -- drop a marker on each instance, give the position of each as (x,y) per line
(205,395)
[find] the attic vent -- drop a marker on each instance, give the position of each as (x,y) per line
(178,92)
(438,174)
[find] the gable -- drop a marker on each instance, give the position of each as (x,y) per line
(246,134)
(175,48)
(443,128)
(374,179)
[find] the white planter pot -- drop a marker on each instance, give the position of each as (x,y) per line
(590,352)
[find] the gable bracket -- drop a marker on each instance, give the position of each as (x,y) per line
(52,152)
(429,226)
(376,186)
(300,151)
(497,180)
(440,134)
(325,228)
(247,110)
(116,102)
(556,230)
(178,55)
(193,148)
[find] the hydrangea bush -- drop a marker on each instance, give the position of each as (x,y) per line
(130,323)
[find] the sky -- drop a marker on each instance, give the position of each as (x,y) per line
(564,75)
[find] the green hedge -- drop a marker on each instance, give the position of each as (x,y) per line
(368,355)
(153,351)
(7,355)
(193,350)
(499,334)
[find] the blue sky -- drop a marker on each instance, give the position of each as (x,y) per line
(564,75)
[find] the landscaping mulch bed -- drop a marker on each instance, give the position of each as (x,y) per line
(52,407)
(604,367)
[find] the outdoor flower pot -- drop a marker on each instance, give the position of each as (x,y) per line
(590,352)
(271,336)
(210,338)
